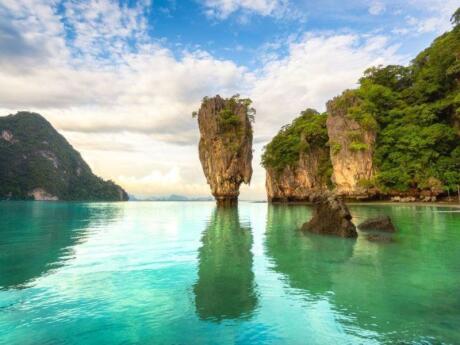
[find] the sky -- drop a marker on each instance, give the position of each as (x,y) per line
(121,78)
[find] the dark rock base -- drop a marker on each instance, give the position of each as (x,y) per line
(330,217)
(227,201)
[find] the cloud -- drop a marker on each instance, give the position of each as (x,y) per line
(101,29)
(223,8)
(376,8)
(434,17)
(281,9)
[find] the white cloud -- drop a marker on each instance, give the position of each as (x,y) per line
(280,9)
(434,18)
(376,8)
(223,8)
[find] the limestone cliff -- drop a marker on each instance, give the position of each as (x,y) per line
(351,142)
(225,147)
(297,160)
(296,183)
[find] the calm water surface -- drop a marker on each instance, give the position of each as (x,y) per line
(188,273)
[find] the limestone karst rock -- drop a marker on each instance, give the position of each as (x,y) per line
(351,147)
(225,147)
(296,183)
(330,217)
(297,159)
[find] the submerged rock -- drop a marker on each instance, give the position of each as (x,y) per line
(381,223)
(380,238)
(225,146)
(330,216)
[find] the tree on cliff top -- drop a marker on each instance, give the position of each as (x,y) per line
(456,18)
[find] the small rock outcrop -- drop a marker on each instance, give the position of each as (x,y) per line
(330,217)
(225,146)
(382,223)
(351,142)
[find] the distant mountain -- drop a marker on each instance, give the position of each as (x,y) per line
(38,163)
(171,197)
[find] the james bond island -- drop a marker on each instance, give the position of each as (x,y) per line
(334,218)
(225,147)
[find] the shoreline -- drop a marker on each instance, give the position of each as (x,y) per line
(363,203)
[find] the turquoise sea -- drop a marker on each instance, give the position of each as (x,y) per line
(188,273)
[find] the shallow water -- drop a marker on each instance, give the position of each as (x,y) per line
(188,273)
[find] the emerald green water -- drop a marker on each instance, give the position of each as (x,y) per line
(188,273)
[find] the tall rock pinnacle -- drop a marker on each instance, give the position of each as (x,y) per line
(226,145)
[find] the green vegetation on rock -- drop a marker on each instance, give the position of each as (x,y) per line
(305,133)
(228,121)
(335,147)
(230,125)
(35,156)
(415,112)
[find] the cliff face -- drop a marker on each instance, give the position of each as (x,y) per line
(39,164)
(297,160)
(225,147)
(298,182)
(351,148)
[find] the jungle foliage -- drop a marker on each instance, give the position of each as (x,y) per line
(416,111)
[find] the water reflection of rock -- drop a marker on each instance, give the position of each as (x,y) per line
(40,237)
(225,288)
(308,261)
